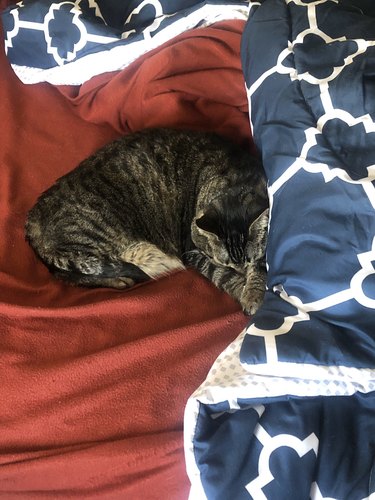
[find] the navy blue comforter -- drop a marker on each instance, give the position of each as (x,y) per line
(288,410)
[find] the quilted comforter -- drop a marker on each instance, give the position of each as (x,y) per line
(288,410)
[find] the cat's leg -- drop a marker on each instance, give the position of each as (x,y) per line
(256,274)
(151,260)
(139,263)
(225,278)
(89,271)
(253,291)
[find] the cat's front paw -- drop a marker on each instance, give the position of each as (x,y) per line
(251,300)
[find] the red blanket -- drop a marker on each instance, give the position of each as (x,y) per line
(94,382)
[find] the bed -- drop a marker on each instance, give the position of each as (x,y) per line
(167,390)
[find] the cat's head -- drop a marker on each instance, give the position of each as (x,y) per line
(232,234)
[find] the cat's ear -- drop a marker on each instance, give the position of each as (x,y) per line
(260,223)
(257,238)
(209,221)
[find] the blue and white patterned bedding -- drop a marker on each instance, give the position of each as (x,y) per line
(69,42)
(288,410)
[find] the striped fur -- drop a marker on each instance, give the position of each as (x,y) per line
(153,202)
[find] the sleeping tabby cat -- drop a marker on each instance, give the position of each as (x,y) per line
(153,202)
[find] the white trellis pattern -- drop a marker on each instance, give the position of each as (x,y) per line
(274,417)
(69,42)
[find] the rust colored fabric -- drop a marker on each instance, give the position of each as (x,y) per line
(94,382)
(193,81)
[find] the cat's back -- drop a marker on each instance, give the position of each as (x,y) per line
(153,157)
(143,186)
(162,169)
(170,153)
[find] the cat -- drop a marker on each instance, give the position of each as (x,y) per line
(153,202)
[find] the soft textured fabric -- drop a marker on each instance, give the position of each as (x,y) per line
(288,409)
(94,382)
(68,43)
(193,81)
